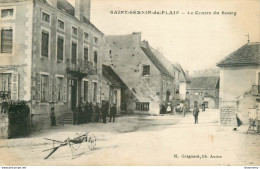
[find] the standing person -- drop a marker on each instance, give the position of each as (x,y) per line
(196,114)
(97,112)
(169,108)
(113,112)
(53,117)
(163,108)
(105,111)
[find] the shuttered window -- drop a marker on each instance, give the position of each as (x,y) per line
(9,86)
(74,52)
(95,59)
(60,87)
(86,53)
(94,91)
(44,87)
(6,41)
(85,91)
(45,43)
(60,48)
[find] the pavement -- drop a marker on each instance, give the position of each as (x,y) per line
(141,140)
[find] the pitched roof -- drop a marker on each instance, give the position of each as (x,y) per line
(111,76)
(156,60)
(65,6)
(203,82)
(246,55)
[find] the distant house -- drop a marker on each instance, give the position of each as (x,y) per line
(148,75)
(204,89)
(240,78)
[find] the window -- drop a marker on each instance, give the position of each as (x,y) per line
(142,106)
(95,91)
(5,85)
(9,86)
(95,59)
(96,40)
(6,40)
(45,43)
(110,53)
(74,52)
(146,70)
(85,91)
(74,31)
(86,53)
(44,87)
(60,24)
(45,17)
(86,36)
(258,82)
(59,88)
(7,13)
(60,48)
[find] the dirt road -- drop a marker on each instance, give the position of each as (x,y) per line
(142,140)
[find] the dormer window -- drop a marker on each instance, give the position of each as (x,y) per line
(74,31)
(61,24)
(45,17)
(96,40)
(86,36)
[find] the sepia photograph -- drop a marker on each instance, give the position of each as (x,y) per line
(130,83)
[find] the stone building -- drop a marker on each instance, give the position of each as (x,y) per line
(204,89)
(149,77)
(240,80)
(50,56)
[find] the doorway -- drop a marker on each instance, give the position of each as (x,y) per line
(73,94)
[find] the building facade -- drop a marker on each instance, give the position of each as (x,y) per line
(148,75)
(240,79)
(50,56)
(204,90)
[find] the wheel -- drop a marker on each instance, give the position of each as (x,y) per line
(91,141)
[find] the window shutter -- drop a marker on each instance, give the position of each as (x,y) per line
(65,89)
(6,41)
(38,87)
(50,88)
(14,88)
(54,92)
(82,90)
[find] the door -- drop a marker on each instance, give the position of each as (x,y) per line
(73,94)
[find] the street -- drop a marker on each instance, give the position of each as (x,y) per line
(141,140)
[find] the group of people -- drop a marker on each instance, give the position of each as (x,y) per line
(90,112)
(168,108)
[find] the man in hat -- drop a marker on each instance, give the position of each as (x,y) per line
(196,114)
(113,113)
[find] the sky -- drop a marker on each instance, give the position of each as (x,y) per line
(195,41)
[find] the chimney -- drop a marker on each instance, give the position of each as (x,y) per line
(82,9)
(52,3)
